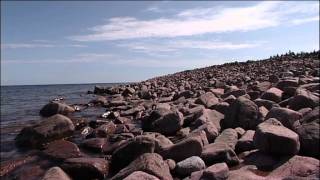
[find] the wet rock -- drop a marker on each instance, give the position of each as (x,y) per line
(217,171)
(151,163)
(130,150)
(217,153)
(52,128)
(132,111)
(100,100)
(140,175)
(189,165)
(62,149)
(86,168)
(56,173)
(106,129)
(286,116)
(273,94)
(242,113)
(276,139)
(10,165)
(208,100)
(56,108)
(94,144)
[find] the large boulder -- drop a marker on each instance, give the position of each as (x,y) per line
(304,99)
(56,108)
(272,94)
(271,137)
(190,146)
(164,121)
(204,116)
(282,84)
(189,165)
(217,153)
(297,167)
(309,138)
(55,173)
(52,128)
(286,116)
(208,100)
(242,113)
(311,116)
(86,168)
(150,163)
(130,150)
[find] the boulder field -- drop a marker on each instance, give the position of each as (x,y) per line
(243,120)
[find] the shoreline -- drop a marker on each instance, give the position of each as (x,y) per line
(180,122)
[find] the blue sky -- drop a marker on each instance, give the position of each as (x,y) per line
(62,42)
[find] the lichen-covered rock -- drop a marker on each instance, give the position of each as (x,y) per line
(189,165)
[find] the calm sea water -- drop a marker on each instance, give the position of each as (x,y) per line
(20,106)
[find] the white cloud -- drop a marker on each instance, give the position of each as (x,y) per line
(174,46)
(109,59)
(36,45)
(305,20)
(198,21)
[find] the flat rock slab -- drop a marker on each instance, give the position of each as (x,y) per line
(86,168)
(151,163)
(62,149)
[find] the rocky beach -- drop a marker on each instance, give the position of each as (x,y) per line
(253,120)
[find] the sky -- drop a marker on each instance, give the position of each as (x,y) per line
(70,42)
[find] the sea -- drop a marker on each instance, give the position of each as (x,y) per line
(20,106)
